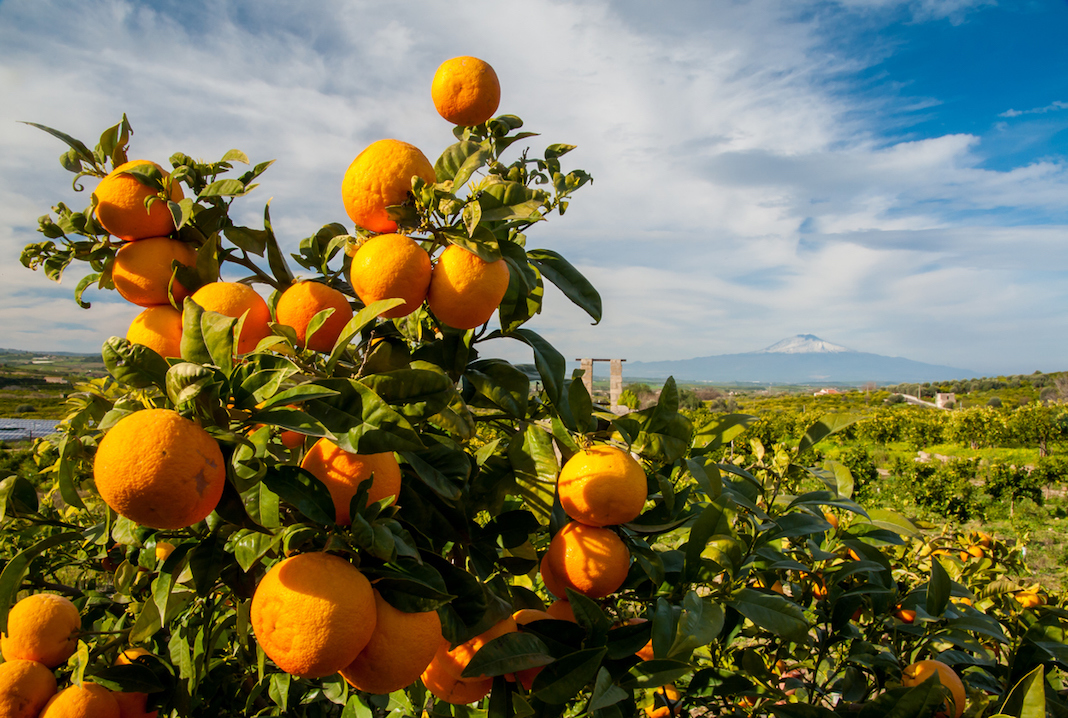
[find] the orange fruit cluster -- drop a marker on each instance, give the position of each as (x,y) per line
(460,288)
(598,487)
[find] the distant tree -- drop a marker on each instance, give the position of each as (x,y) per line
(994,402)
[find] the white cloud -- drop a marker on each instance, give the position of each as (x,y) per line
(742,193)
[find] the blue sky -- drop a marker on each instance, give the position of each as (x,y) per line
(889,175)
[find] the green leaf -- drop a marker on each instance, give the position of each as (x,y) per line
(721,431)
(79,148)
(771,612)
(568,280)
(453,158)
(549,362)
(224,188)
(418,393)
(1028,697)
(917,702)
(656,673)
(938,589)
(561,681)
(235,156)
(801,710)
(16,569)
(275,260)
(507,654)
(361,420)
(86,281)
(843,478)
(472,163)
(186,380)
(300,489)
(435,480)
(193,347)
(823,428)
(502,384)
(699,624)
(134,365)
(605,691)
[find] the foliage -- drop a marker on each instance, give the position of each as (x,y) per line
(756,602)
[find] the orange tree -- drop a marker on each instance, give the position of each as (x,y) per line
(736,584)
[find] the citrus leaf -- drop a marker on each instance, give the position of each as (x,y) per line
(300,489)
(771,612)
(134,364)
(562,680)
(507,654)
(568,280)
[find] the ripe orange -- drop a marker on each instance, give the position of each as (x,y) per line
(905,615)
(400,649)
(304,300)
(552,583)
(142,270)
(313,613)
(602,486)
(120,207)
(85,701)
(447,686)
(984,539)
(342,473)
(442,675)
(391,266)
(523,617)
(234,299)
(660,709)
(42,627)
(159,328)
(920,671)
(976,551)
(380,177)
(159,469)
(590,560)
(561,610)
(1029,599)
(132,705)
(465,91)
(465,290)
(25,687)
(831,519)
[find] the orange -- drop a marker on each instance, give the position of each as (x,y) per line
(304,300)
(920,671)
(85,701)
(442,675)
(380,177)
(142,270)
(163,551)
(561,610)
(464,289)
(976,551)
(234,299)
(447,686)
(984,539)
(391,266)
(313,613)
(831,519)
(523,617)
(660,709)
(552,583)
(159,328)
(159,469)
(42,627)
(1029,599)
(133,704)
(25,687)
(590,560)
(343,471)
(645,652)
(400,649)
(120,207)
(602,486)
(465,91)
(905,615)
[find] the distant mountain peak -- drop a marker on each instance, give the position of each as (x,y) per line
(804,344)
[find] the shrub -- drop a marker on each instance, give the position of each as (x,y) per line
(25,409)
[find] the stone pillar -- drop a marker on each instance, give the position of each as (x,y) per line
(615,385)
(587,375)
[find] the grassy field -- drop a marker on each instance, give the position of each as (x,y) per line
(34,386)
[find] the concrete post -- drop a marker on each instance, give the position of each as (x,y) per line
(587,375)
(615,385)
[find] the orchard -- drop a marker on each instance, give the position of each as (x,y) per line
(306,489)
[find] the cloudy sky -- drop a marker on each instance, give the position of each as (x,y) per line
(890,175)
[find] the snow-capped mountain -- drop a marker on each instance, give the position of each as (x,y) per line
(802,359)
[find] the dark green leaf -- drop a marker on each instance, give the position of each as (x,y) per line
(1028,697)
(568,280)
(562,680)
(938,589)
(134,365)
(507,654)
(771,612)
(303,491)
